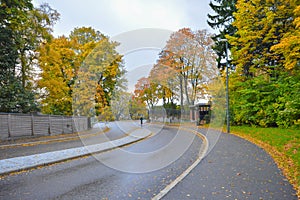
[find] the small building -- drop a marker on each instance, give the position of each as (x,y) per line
(200,113)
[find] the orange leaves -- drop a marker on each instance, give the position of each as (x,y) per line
(148,91)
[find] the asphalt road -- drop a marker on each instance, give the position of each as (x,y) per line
(58,142)
(107,176)
(234,169)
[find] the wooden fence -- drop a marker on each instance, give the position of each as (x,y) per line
(14,125)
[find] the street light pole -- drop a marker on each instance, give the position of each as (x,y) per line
(227,85)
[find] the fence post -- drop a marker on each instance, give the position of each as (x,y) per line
(72,124)
(8,125)
(32,125)
(63,123)
(89,123)
(49,128)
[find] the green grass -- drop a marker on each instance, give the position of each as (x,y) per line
(282,144)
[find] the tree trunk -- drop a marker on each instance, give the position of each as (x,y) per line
(186,89)
(23,69)
(181,91)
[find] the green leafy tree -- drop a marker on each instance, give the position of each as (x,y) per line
(35,30)
(265,49)
(23,28)
(259,102)
(9,83)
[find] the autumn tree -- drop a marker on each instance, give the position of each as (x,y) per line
(147,91)
(86,39)
(260,24)
(289,44)
(59,64)
(120,104)
(191,56)
(175,48)
(166,78)
(264,89)
(137,108)
(99,73)
(84,91)
(79,73)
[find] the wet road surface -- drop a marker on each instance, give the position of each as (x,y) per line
(95,177)
(59,142)
(234,169)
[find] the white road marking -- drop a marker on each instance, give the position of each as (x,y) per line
(202,154)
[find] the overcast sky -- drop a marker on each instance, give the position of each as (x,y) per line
(116,18)
(113,17)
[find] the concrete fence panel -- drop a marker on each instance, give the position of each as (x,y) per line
(18,125)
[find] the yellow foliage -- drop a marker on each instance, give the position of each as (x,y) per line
(264,34)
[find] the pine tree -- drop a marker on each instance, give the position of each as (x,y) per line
(222,21)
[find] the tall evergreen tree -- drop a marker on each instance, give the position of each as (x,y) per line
(222,21)
(8,81)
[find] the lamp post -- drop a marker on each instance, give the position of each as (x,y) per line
(227,92)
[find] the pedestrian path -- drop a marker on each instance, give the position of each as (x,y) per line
(234,169)
(32,161)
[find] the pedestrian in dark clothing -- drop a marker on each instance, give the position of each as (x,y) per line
(141,121)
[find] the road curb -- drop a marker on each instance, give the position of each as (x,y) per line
(21,163)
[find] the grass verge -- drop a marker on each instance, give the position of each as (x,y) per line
(282,144)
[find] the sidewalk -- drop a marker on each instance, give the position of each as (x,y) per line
(234,169)
(26,162)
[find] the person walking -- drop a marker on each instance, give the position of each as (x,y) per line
(141,121)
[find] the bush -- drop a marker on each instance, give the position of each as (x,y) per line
(266,102)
